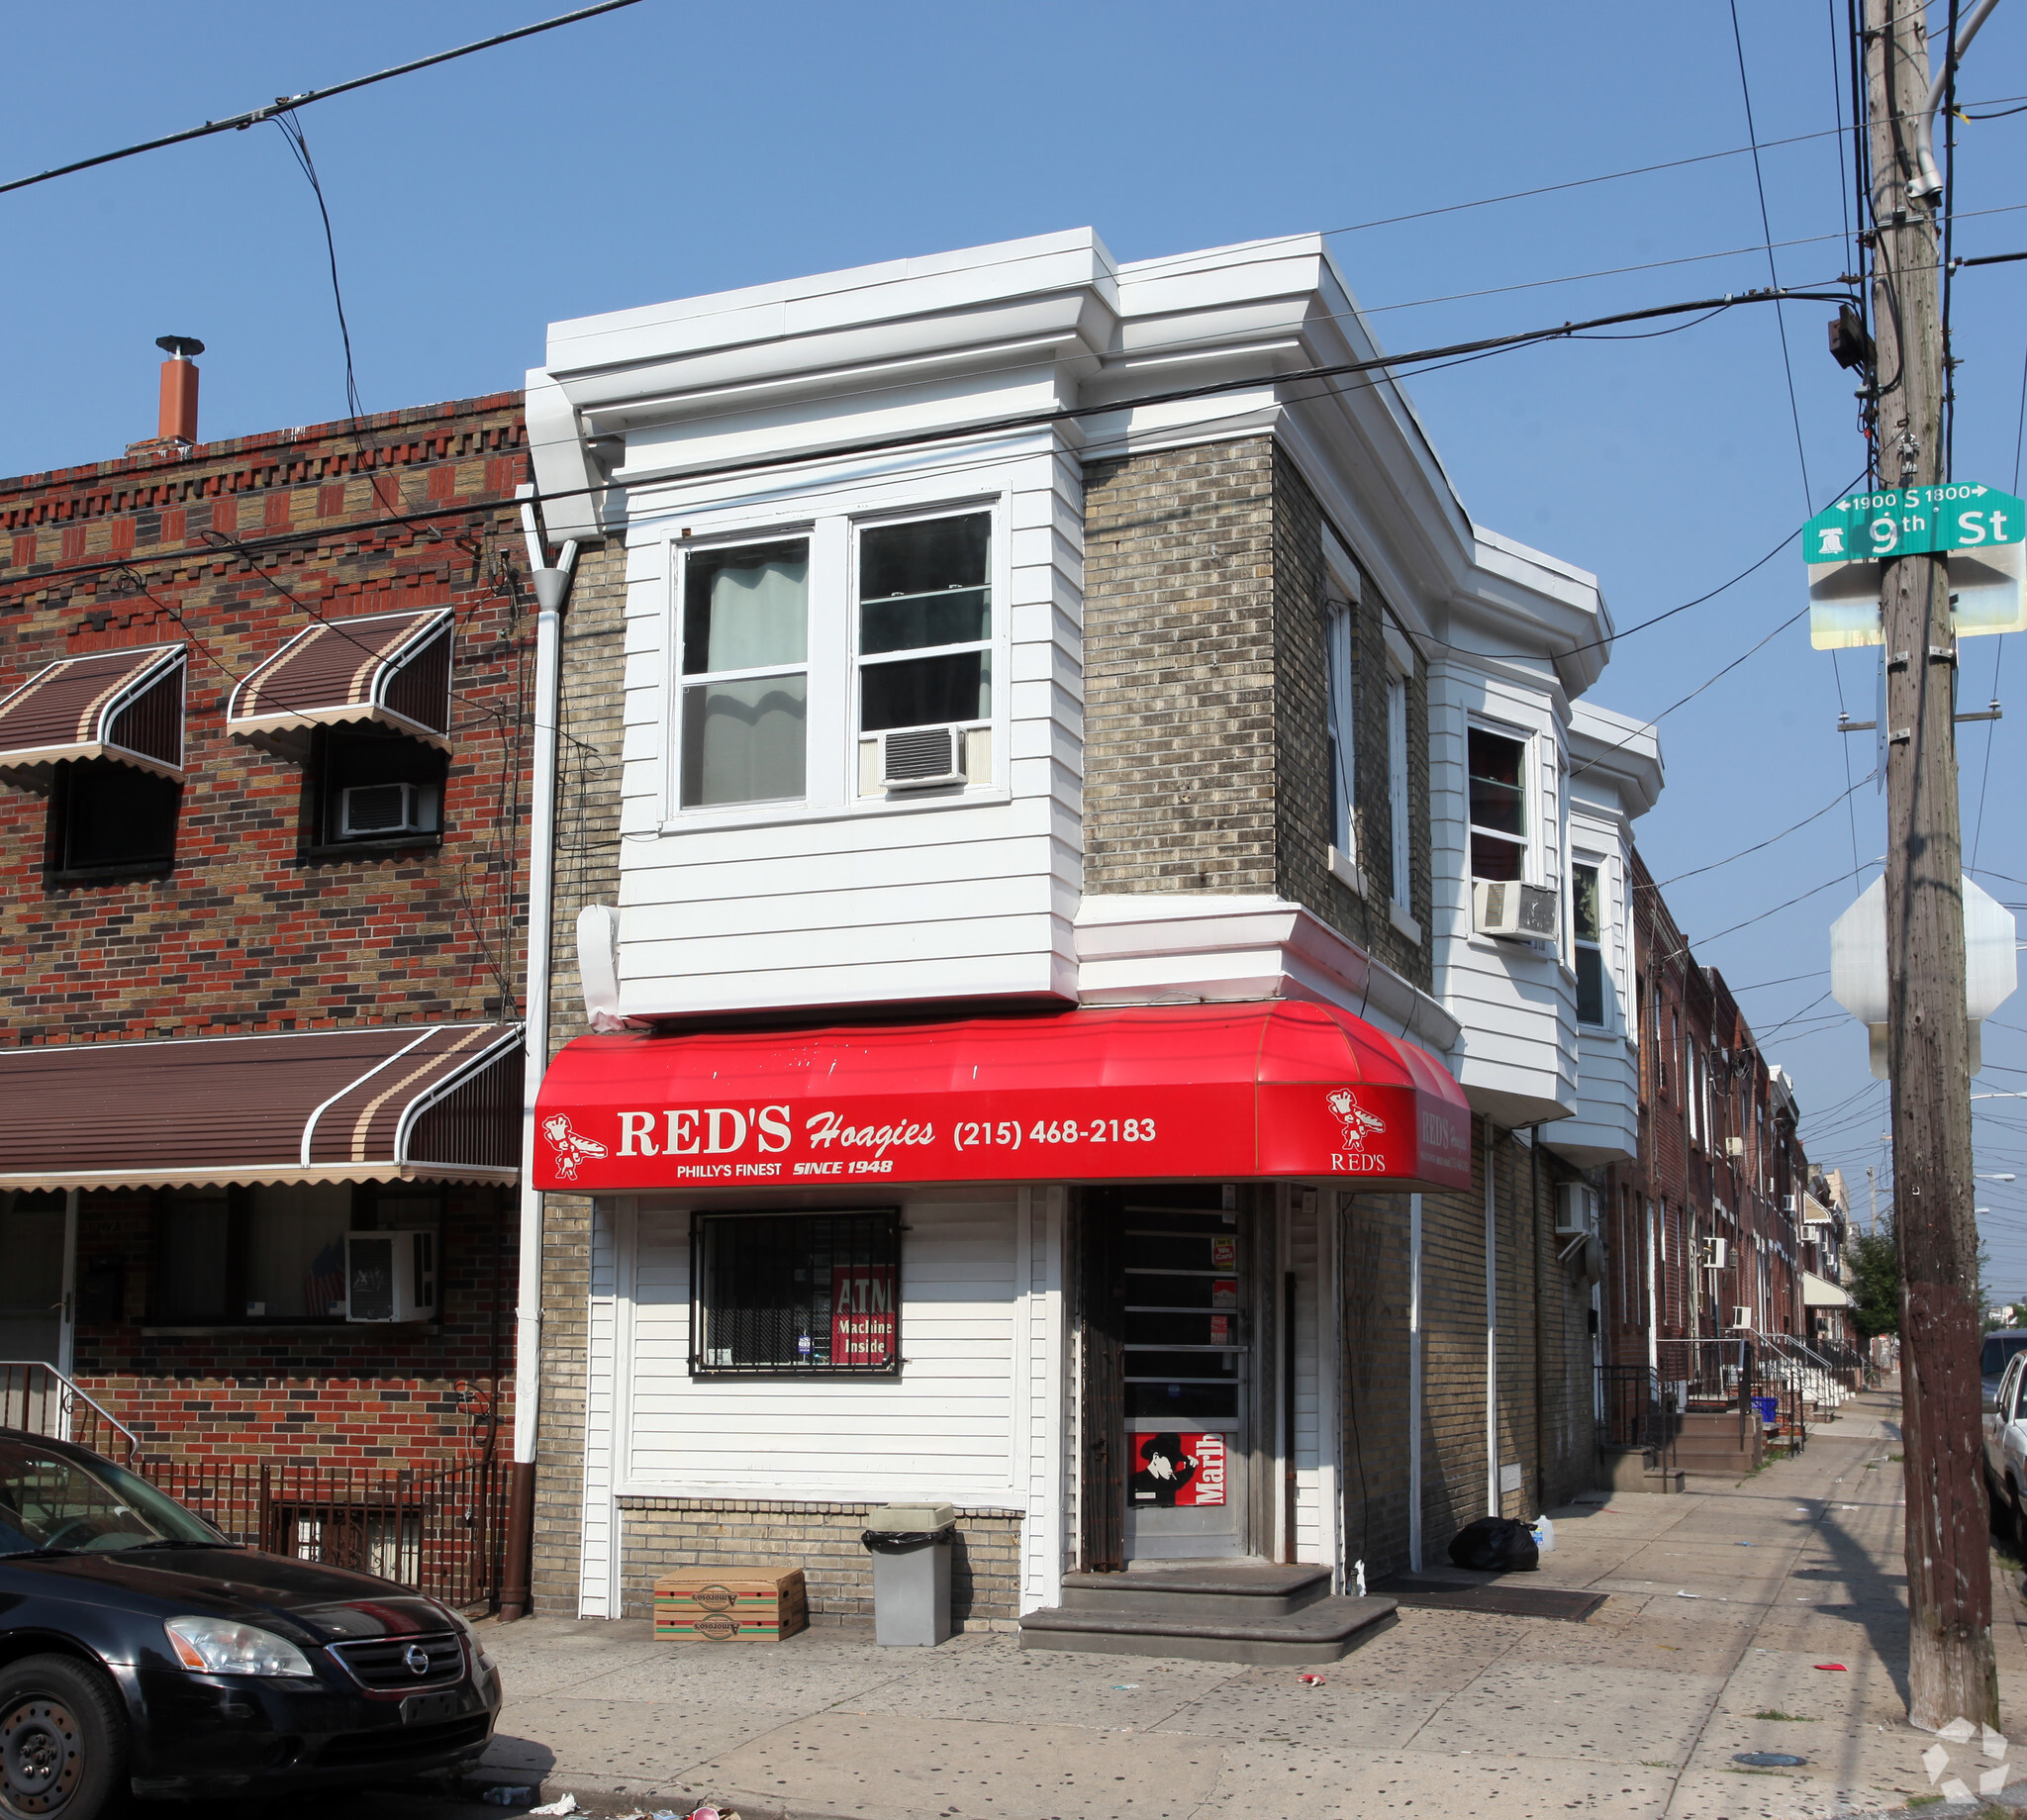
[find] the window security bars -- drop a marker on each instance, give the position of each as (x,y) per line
(796,1293)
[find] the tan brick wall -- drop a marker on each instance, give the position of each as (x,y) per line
(659,1534)
(587,872)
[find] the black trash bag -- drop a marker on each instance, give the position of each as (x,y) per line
(1495,1545)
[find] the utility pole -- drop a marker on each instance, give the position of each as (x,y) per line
(1951,1669)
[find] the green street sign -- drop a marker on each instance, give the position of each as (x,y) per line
(1913,521)
(1981,532)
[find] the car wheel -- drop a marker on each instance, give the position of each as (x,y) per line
(62,1742)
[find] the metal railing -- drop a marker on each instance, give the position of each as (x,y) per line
(1631,1412)
(437,1530)
(37,1399)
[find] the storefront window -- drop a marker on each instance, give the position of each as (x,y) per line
(797,1292)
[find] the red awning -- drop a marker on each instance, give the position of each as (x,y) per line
(1221,1091)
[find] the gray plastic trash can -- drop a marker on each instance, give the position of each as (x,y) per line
(910,1549)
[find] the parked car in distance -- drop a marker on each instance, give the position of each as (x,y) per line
(1997,1354)
(2005,1449)
(143,1651)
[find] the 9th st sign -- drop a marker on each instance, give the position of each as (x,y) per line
(1978,528)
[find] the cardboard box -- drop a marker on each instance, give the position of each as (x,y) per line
(743,1604)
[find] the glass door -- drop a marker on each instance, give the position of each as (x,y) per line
(1186,1369)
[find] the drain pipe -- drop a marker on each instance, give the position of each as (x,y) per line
(551,590)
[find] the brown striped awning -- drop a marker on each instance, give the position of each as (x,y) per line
(124,705)
(392,668)
(432,1102)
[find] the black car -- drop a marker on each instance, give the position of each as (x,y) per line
(141,1650)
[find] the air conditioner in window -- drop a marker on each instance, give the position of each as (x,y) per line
(1716,1253)
(390,1276)
(386,808)
(1734,1147)
(1514,912)
(1576,1210)
(1742,1318)
(922,757)
(1790,1204)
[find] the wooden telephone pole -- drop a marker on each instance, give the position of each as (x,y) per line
(1951,1671)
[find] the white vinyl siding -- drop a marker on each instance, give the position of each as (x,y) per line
(944,1429)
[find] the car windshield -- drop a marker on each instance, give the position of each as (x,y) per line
(49,1501)
(1998,1348)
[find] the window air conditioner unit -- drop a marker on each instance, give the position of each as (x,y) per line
(1514,912)
(1790,1204)
(1576,1210)
(390,1276)
(922,757)
(383,808)
(1734,1147)
(1716,1253)
(1743,1318)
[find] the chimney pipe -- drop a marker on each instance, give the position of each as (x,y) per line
(178,419)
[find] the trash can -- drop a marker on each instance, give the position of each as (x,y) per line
(911,1550)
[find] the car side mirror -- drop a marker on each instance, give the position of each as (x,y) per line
(1991,1404)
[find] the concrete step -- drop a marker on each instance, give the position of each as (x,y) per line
(1327,1630)
(1235,1589)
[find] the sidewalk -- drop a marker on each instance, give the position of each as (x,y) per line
(1721,1603)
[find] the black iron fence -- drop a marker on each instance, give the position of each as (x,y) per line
(1630,1409)
(438,1530)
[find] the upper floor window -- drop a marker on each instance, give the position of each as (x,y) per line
(109,819)
(1498,806)
(374,785)
(745,690)
(1341,734)
(1397,785)
(1588,930)
(925,624)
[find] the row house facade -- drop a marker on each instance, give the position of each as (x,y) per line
(1713,1228)
(1104,983)
(264,766)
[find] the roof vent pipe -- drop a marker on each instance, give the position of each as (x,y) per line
(178,419)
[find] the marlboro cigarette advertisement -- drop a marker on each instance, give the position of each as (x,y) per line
(862,1314)
(1174,1471)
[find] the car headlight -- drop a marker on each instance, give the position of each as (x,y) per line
(222,1646)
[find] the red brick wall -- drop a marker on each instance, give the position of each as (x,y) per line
(252,932)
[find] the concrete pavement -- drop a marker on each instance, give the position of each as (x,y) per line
(1723,1604)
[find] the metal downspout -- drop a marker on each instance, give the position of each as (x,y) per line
(551,590)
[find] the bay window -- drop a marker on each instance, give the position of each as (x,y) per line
(925,624)
(1587,927)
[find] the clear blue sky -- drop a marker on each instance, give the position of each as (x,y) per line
(674,149)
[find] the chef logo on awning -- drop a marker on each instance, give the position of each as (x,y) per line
(1358,1123)
(568,1145)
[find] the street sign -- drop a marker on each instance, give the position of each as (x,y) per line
(1982,531)
(1913,521)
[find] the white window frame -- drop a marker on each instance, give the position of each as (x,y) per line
(1341,632)
(831,518)
(1581,861)
(1530,803)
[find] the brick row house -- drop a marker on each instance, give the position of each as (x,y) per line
(1717,1228)
(1104,983)
(264,770)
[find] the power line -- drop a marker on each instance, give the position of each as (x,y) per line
(1747,852)
(283,104)
(1381,364)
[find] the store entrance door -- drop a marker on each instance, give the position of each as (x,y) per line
(32,1239)
(1186,1358)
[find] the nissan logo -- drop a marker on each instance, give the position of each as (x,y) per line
(417,1658)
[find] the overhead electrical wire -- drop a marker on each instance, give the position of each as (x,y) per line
(238,122)
(1759,847)
(1382,365)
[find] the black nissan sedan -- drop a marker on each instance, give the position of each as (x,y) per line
(141,1651)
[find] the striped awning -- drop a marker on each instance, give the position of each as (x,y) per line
(392,668)
(124,705)
(434,1102)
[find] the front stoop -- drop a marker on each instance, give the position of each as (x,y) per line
(1244,1611)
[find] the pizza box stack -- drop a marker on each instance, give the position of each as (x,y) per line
(747,1605)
